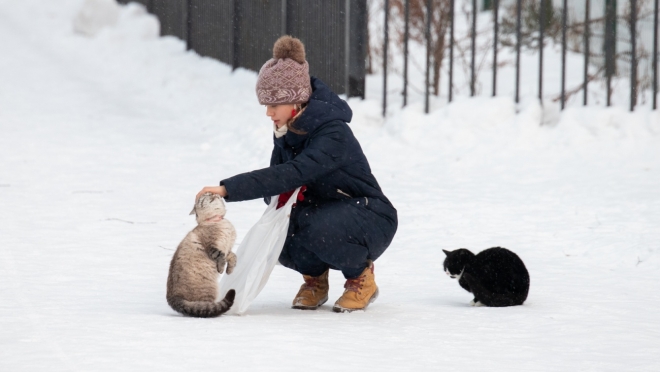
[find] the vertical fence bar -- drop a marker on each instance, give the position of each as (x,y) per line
(385,42)
(283,30)
(610,45)
(496,6)
(541,30)
(518,16)
(564,15)
(633,54)
(189,22)
(236,21)
(451,50)
(473,47)
(359,44)
(655,55)
(347,47)
(405,52)
(429,17)
(587,34)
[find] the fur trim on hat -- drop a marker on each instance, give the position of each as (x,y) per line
(289,47)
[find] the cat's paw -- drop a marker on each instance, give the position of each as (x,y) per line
(476,304)
(220,264)
(216,254)
(231,262)
(219,257)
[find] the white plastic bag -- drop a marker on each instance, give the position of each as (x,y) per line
(257,255)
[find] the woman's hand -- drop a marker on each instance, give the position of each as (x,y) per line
(220,190)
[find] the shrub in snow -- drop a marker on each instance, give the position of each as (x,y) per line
(95,15)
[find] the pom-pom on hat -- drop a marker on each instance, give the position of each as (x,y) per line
(284,79)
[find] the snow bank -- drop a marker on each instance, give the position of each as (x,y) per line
(95,15)
(106,140)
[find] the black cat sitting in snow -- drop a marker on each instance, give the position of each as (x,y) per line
(496,276)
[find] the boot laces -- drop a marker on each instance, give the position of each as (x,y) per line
(354,285)
(311,283)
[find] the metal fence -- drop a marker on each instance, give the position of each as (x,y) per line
(242,33)
(605,23)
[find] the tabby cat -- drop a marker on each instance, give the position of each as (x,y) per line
(192,284)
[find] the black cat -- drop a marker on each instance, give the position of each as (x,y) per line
(496,276)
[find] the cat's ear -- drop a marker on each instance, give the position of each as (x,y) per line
(446,252)
(192,211)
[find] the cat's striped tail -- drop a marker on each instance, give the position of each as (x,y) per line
(202,309)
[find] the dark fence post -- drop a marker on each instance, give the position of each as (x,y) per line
(518,16)
(633,54)
(284,20)
(359,44)
(405,53)
(347,48)
(563,54)
(655,55)
(610,45)
(236,35)
(189,22)
(496,6)
(385,42)
(172,17)
(473,46)
(451,51)
(429,17)
(210,33)
(321,26)
(541,29)
(587,34)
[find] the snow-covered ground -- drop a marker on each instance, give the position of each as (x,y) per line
(105,141)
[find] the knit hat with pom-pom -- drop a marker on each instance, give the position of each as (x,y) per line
(284,79)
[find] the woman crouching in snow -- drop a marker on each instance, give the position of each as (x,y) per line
(342,220)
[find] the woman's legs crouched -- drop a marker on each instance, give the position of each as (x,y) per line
(344,235)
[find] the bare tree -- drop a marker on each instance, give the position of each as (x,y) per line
(440,22)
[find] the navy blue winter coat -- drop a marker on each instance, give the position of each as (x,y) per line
(327,158)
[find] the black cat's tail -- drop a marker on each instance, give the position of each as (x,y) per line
(202,309)
(489,298)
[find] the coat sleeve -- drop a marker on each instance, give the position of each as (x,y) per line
(274,160)
(324,153)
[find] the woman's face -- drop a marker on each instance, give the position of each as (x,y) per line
(279,114)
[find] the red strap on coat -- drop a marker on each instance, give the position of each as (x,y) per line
(284,197)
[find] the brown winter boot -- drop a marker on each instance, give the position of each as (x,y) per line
(359,292)
(313,293)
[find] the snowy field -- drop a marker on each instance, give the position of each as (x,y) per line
(105,141)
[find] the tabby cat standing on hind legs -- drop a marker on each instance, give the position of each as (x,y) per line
(495,276)
(192,284)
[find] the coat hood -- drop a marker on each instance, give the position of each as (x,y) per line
(324,106)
